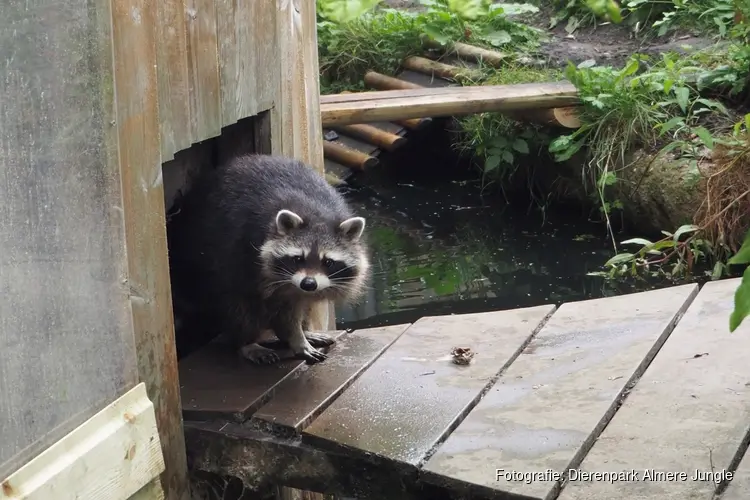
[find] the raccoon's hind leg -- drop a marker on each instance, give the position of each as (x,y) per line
(259,355)
(288,327)
(244,323)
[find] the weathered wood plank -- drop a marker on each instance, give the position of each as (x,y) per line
(389,105)
(295,118)
(134,49)
(739,488)
(247,57)
(172,77)
(111,456)
(689,411)
(216,382)
(259,72)
(307,392)
(229,53)
(65,326)
(548,408)
(413,394)
(203,69)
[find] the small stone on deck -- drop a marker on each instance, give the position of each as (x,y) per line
(413,393)
(689,412)
(301,396)
(546,410)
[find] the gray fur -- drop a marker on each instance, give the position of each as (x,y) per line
(233,246)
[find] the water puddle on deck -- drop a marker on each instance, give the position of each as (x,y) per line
(443,248)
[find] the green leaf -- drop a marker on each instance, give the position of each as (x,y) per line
(436,35)
(659,245)
(741,302)
(619,259)
(508,157)
(687,228)
(670,124)
(743,254)
(718,271)
(683,97)
(491,163)
(342,11)
(470,9)
(705,136)
(521,146)
(637,241)
(498,38)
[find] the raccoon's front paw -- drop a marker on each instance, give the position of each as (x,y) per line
(311,355)
(259,355)
(319,339)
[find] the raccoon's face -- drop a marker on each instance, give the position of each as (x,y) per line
(320,261)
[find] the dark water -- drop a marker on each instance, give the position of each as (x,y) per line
(441,247)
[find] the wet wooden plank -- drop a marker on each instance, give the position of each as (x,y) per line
(172,64)
(739,488)
(413,394)
(547,409)
(218,383)
(688,413)
(134,50)
(203,69)
(307,392)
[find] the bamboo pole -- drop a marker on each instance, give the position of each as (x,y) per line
(351,158)
(441,70)
(413,123)
(470,52)
(378,81)
(372,135)
(566,117)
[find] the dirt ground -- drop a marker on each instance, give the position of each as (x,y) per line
(607,44)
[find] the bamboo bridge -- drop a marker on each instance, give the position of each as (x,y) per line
(357,126)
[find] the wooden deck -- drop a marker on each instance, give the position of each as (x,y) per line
(611,389)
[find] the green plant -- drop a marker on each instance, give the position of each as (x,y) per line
(742,295)
(639,106)
(379,39)
(657,16)
(498,140)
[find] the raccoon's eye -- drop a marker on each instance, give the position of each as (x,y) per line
(327,262)
(298,259)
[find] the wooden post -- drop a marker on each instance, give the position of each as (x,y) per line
(295,120)
(137,122)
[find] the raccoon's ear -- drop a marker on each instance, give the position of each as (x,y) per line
(287,221)
(353,228)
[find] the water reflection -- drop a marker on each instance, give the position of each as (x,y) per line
(442,249)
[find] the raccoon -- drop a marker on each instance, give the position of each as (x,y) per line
(256,243)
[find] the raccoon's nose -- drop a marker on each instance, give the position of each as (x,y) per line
(308,284)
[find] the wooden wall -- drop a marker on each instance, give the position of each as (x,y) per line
(96,96)
(185,70)
(66,334)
